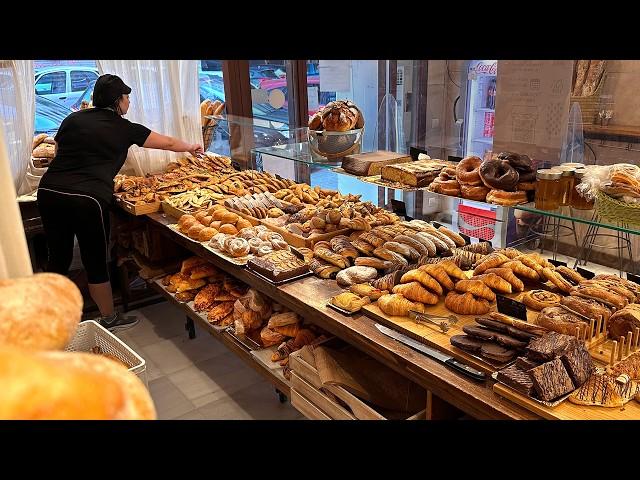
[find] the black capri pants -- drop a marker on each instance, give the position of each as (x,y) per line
(65,215)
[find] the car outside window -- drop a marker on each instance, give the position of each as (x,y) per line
(80,80)
(51,83)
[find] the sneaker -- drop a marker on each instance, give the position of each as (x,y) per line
(117,322)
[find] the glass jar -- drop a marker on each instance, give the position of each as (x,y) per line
(578,201)
(566,183)
(575,165)
(548,190)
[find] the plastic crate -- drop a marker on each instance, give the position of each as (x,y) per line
(91,334)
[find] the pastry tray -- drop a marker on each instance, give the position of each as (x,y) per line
(240,261)
(280,282)
(555,403)
(243,340)
(174,227)
(341,310)
(264,357)
(488,361)
(217,328)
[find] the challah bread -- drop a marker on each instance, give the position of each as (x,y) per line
(40,312)
(69,386)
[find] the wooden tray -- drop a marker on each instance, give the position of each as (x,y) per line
(173,211)
(134,209)
(298,241)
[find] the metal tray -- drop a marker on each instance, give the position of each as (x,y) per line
(281,282)
(555,403)
(240,261)
(174,227)
(217,328)
(243,340)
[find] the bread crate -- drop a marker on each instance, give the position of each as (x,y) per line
(135,209)
(91,334)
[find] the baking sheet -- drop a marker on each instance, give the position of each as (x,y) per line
(341,310)
(203,315)
(555,403)
(281,282)
(264,357)
(243,340)
(240,261)
(174,227)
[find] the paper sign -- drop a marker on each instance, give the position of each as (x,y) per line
(510,307)
(335,75)
(588,274)
(312,98)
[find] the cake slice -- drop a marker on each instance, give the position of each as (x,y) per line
(523,363)
(578,364)
(551,380)
(517,379)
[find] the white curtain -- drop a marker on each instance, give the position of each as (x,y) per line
(17,110)
(164,97)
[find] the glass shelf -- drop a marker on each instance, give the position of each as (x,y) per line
(587,217)
(297,152)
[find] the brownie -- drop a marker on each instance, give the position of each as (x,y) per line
(523,363)
(465,342)
(517,379)
(551,380)
(278,265)
(496,352)
(550,346)
(492,324)
(579,365)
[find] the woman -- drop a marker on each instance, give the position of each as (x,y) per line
(75,193)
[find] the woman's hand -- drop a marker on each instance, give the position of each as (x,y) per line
(195,149)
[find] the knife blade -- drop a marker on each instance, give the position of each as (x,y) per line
(442,357)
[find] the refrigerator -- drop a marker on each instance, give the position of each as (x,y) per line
(480,102)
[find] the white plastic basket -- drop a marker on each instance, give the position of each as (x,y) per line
(91,334)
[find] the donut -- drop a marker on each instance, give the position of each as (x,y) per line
(506,199)
(526,186)
(467,171)
(498,175)
(448,173)
(527,177)
(522,163)
(471,192)
(445,187)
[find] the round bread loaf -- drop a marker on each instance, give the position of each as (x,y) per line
(40,312)
(69,386)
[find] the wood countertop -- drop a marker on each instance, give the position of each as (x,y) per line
(308,298)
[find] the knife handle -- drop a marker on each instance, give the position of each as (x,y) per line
(466,369)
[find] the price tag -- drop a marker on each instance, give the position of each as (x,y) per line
(436,224)
(558,263)
(467,238)
(511,307)
(633,277)
(588,274)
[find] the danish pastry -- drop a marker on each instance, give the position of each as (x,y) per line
(541,299)
(349,301)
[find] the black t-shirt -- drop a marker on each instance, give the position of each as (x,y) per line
(92,147)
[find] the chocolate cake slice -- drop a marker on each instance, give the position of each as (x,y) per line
(517,379)
(523,363)
(551,380)
(550,346)
(579,365)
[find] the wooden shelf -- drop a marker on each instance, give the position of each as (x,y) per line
(619,133)
(308,298)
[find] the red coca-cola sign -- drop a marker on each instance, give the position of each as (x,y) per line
(489,124)
(487,68)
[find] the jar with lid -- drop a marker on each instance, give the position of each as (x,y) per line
(566,183)
(548,190)
(578,201)
(570,164)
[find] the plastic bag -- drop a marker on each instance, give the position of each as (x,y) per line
(250,311)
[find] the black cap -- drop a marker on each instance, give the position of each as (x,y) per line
(108,89)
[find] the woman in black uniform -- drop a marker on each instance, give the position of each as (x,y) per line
(75,193)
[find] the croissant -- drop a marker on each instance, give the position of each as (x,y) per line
(288,330)
(363,247)
(452,269)
(557,279)
(349,301)
(387,282)
(495,282)
(415,292)
(521,270)
(477,288)
(507,274)
(510,252)
(331,257)
(366,290)
(424,278)
(439,273)
(396,305)
(466,304)
(490,261)
(528,261)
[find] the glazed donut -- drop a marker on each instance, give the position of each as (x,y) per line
(498,175)
(526,186)
(478,193)
(467,171)
(522,163)
(448,173)
(506,199)
(539,299)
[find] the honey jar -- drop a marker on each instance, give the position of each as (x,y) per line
(548,189)
(567,182)
(578,201)
(574,165)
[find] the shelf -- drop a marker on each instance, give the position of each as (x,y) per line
(484,109)
(580,216)
(297,152)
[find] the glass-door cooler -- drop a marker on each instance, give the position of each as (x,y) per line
(480,108)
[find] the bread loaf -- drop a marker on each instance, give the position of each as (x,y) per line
(581,74)
(44,150)
(69,386)
(40,312)
(38,139)
(414,174)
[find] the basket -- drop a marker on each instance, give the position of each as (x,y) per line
(207,135)
(91,334)
(589,106)
(335,145)
(616,211)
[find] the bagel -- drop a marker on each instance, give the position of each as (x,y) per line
(467,171)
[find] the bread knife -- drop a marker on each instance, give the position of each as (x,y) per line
(446,359)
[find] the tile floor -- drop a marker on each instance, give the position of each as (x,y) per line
(199,379)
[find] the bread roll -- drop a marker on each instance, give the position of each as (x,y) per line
(69,386)
(40,312)
(38,139)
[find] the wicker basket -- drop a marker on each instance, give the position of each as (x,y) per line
(91,334)
(590,105)
(207,135)
(613,210)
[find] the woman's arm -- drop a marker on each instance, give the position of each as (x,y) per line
(164,142)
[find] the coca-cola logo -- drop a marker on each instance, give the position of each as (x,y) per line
(487,68)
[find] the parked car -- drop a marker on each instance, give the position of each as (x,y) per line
(64,84)
(312,81)
(49,116)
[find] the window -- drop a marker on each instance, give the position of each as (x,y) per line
(211,84)
(51,83)
(81,79)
